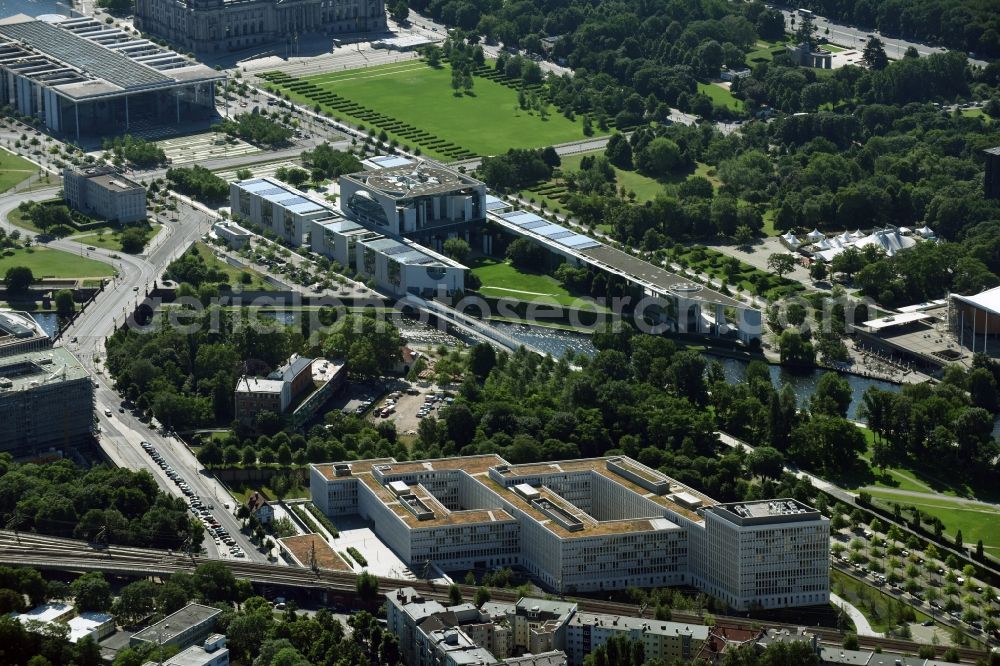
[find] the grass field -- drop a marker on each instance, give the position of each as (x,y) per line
(487,122)
(13,170)
(976,521)
(45,262)
(873,604)
(110,240)
(645,188)
(500,279)
(232,272)
(720,96)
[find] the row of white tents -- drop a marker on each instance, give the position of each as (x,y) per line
(825,248)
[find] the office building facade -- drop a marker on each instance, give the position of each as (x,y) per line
(206,26)
(83,78)
(582,526)
(46,402)
(102,192)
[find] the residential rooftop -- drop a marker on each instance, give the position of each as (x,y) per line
(698,632)
(177,623)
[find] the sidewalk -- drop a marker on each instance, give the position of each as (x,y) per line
(861,624)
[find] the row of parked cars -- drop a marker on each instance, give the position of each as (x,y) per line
(431,402)
(197,506)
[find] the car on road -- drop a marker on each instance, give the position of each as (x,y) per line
(107,412)
(121,410)
(91,247)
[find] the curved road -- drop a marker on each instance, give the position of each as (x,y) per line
(121,433)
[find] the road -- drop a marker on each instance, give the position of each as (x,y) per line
(849,36)
(121,434)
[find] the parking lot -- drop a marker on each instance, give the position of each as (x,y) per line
(406,407)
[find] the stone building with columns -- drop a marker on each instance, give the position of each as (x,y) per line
(206,26)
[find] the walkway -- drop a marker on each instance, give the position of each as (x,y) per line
(861,624)
(936,496)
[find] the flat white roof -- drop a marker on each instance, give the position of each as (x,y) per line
(895,320)
(985,300)
(85,624)
(45,613)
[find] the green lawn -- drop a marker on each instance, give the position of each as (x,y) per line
(487,122)
(45,262)
(879,608)
(14,169)
(500,279)
(110,241)
(232,272)
(645,187)
(243,491)
(976,521)
(720,96)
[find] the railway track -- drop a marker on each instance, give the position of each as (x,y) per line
(55,553)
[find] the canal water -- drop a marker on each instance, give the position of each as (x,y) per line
(556,342)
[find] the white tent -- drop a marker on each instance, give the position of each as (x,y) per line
(925,231)
(824,244)
(815,235)
(790,239)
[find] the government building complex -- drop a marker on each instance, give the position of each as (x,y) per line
(228,25)
(83,78)
(584,526)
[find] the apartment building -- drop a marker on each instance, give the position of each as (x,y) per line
(583,526)
(431,634)
(669,641)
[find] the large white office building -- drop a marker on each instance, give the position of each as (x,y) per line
(412,197)
(583,526)
(394,263)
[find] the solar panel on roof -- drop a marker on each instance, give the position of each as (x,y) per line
(549,230)
(520,218)
(534,224)
(578,242)
(269,191)
(565,233)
